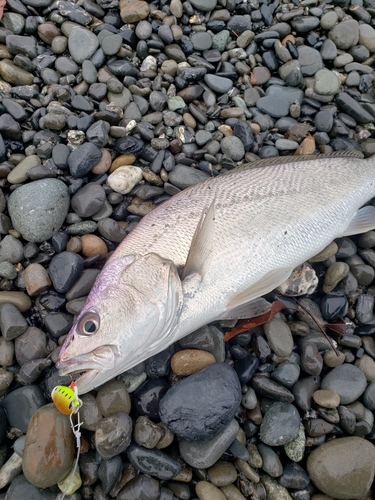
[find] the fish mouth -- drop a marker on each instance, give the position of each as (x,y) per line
(91,366)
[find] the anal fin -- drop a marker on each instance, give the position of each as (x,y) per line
(270,281)
(363,221)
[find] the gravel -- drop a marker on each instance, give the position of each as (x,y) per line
(107,109)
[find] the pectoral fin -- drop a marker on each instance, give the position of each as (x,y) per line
(363,221)
(251,309)
(201,244)
(270,281)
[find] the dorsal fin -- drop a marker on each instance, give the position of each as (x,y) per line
(282,160)
(201,244)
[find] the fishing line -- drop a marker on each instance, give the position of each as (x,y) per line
(67,402)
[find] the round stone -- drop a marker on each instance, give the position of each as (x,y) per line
(123,179)
(204,5)
(279,337)
(38,209)
(326,398)
(189,361)
(310,60)
(82,44)
(280,424)
(326,82)
(347,380)
(343,468)
(232,146)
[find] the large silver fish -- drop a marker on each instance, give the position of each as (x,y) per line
(209,251)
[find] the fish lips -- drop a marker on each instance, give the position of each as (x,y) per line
(92,364)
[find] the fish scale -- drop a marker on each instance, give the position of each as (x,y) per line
(216,247)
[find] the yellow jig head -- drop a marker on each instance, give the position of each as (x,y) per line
(66,398)
(67,402)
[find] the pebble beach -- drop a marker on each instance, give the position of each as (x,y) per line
(107,109)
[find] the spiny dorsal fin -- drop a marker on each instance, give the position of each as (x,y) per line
(201,244)
(282,160)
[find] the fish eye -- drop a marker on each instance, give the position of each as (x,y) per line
(88,324)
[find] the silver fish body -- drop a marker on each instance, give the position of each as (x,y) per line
(209,251)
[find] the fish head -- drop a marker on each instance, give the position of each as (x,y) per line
(130,314)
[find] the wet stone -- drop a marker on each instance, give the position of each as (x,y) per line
(142,486)
(31,345)
(146,433)
(21,404)
(188,417)
(286,374)
(280,424)
(64,270)
(148,396)
(49,448)
(153,462)
(218,84)
(113,434)
(333,305)
(294,476)
(112,398)
(311,359)
(189,361)
(246,368)
(203,454)
(271,389)
(109,472)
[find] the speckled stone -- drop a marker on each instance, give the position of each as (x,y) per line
(38,209)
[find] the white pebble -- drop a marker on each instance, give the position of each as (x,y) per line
(123,179)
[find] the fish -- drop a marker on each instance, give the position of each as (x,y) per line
(209,251)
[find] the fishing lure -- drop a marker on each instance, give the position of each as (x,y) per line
(67,402)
